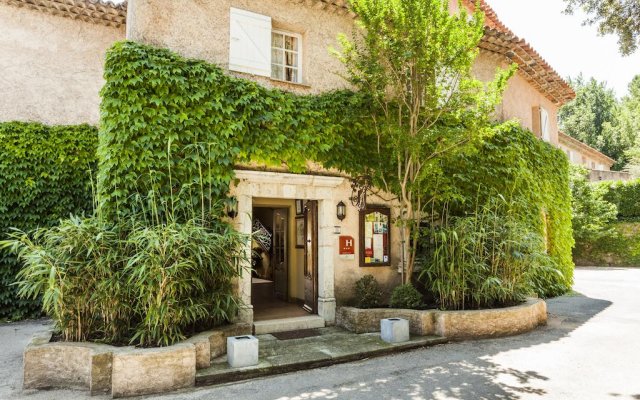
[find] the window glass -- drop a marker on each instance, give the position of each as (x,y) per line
(375,226)
(285,57)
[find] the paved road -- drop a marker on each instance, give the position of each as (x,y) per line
(589,350)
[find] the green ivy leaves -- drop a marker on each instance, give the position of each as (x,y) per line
(170,122)
(45,175)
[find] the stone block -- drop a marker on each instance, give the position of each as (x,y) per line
(242,351)
(394,330)
(202,343)
(57,365)
(101,365)
(156,370)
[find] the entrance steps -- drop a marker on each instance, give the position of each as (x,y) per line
(333,346)
(287,324)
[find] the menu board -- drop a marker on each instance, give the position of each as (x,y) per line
(375,237)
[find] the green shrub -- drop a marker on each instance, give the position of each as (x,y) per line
(368,292)
(591,213)
(132,282)
(406,296)
(531,175)
(489,259)
(620,247)
(625,195)
(45,175)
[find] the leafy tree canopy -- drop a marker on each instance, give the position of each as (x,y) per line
(414,59)
(592,117)
(630,124)
(619,17)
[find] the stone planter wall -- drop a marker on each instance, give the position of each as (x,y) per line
(491,323)
(368,320)
(450,324)
(122,371)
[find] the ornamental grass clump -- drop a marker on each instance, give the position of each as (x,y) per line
(485,260)
(131,282)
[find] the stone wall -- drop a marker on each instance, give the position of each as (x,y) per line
(201,29)
(491,323)
(451,324)
(122,371)
(51,66)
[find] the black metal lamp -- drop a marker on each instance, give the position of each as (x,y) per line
(341,211)
(231,207)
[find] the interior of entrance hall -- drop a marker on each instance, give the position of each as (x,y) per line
(277,285)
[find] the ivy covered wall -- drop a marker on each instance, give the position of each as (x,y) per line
(169,123)
(530,174)
(45,175)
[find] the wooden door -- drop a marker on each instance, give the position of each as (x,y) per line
(280,260)
(311,257)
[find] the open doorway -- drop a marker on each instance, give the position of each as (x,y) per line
(278,283)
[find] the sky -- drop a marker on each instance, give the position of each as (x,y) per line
(568,47)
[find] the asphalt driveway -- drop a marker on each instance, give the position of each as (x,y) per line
(589,350)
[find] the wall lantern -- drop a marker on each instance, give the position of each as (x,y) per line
(341,211)
(231,207)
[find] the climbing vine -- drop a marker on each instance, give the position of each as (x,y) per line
(45,175)
(177,127)
(531,175)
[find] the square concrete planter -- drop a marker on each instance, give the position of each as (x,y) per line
(242,351)
(394,330)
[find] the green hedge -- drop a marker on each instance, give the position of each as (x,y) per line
(531,174)
(621,247)
(625,195)
(44,176)
(169,123)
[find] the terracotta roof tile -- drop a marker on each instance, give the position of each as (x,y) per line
(103,12)
(536,70)
(571,141)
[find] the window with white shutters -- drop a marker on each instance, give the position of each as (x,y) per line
(545,125)
(250,42)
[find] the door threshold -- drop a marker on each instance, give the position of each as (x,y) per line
(288,324)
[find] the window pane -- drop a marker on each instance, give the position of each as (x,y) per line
(291,59)
(291,75)
(291,43)
(277,72)
(277,56)
(277,40)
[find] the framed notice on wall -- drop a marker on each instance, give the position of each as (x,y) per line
(375,242)
(300,232)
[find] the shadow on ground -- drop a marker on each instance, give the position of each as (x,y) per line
(463,370)
(454,371)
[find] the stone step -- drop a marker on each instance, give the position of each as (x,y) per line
(303,354)
(288,324)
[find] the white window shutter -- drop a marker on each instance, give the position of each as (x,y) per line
(250,42)
(545,125)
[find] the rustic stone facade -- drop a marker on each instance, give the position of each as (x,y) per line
(52,66)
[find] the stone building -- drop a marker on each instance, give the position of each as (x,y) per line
(52,53)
